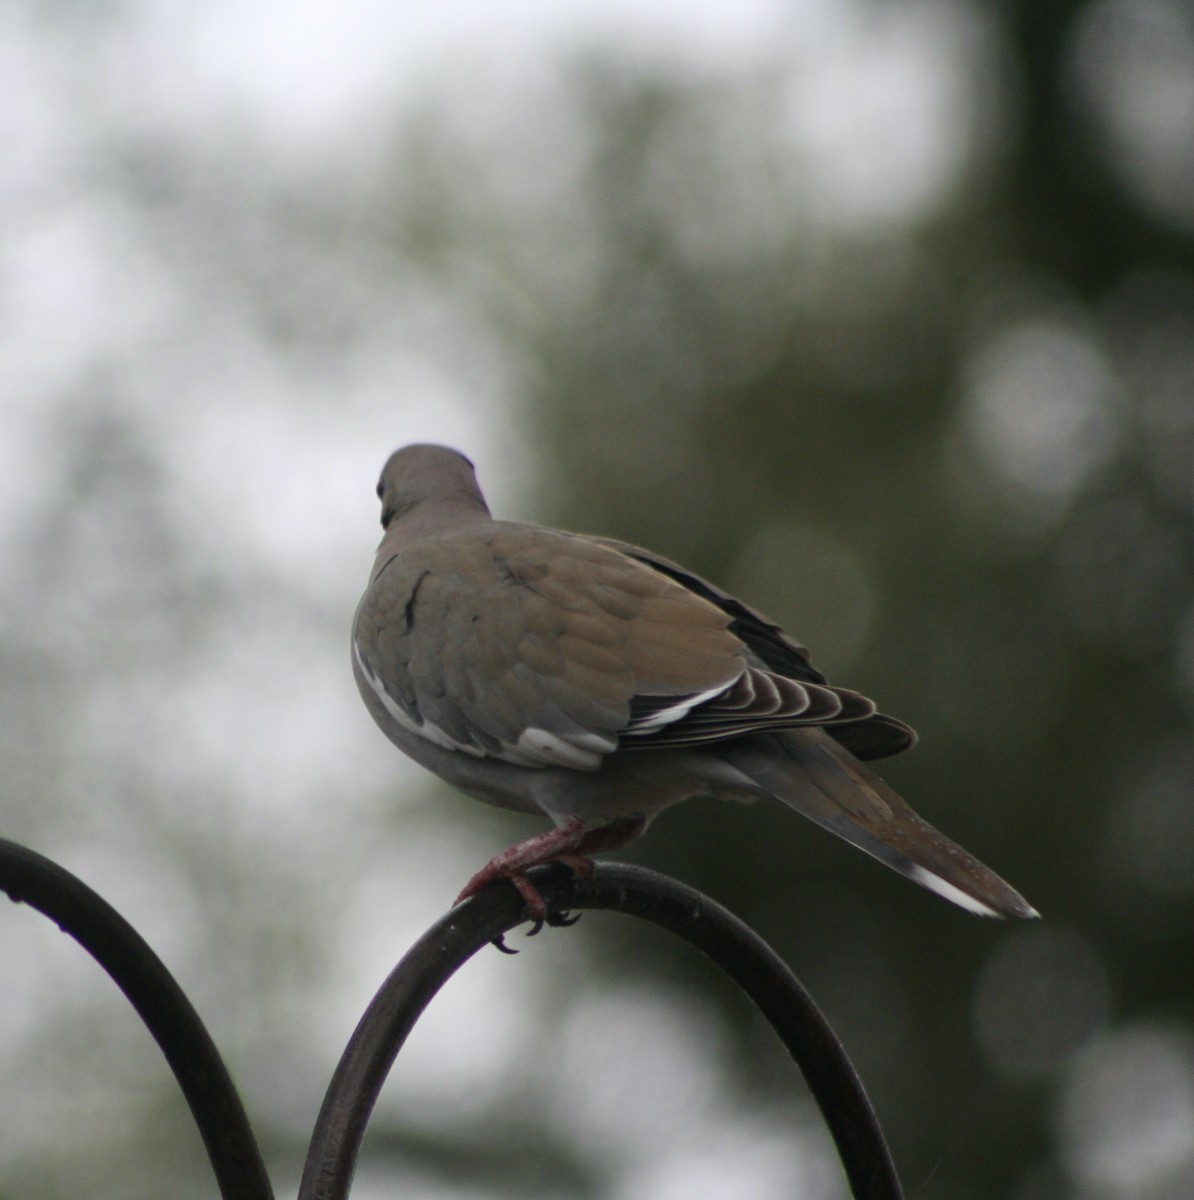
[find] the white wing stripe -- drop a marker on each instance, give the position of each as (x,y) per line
(673,712)
(538,748)
(423,729)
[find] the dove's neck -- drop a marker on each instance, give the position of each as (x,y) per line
(448,515)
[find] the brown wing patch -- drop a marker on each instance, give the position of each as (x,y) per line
(527,629)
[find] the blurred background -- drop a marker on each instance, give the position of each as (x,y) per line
(880,314)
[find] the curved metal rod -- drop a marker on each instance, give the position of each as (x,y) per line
(734,946)
(31,879)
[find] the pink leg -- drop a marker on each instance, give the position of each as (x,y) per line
(613,836)
(570,844)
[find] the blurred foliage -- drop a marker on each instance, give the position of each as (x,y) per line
(973,429)
(946,440)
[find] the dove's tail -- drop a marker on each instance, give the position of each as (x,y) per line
(809,772)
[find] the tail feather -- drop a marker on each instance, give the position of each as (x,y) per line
(808,771)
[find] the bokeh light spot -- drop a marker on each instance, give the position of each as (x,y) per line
(1041,996)
(1127,1116)
(1039,409)
(805,577)
(1132,66)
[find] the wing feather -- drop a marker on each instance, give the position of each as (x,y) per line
(547,649)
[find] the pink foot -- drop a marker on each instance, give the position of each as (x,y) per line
(570,844)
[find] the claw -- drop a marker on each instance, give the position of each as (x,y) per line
(499,943)
(555,919)
(570,844)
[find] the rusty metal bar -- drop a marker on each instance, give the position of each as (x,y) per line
(31,879)
(453,940)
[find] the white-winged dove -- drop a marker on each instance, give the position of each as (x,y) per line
(597,683)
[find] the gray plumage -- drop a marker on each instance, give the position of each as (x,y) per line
(597,683)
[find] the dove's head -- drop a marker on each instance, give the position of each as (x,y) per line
(428,483)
